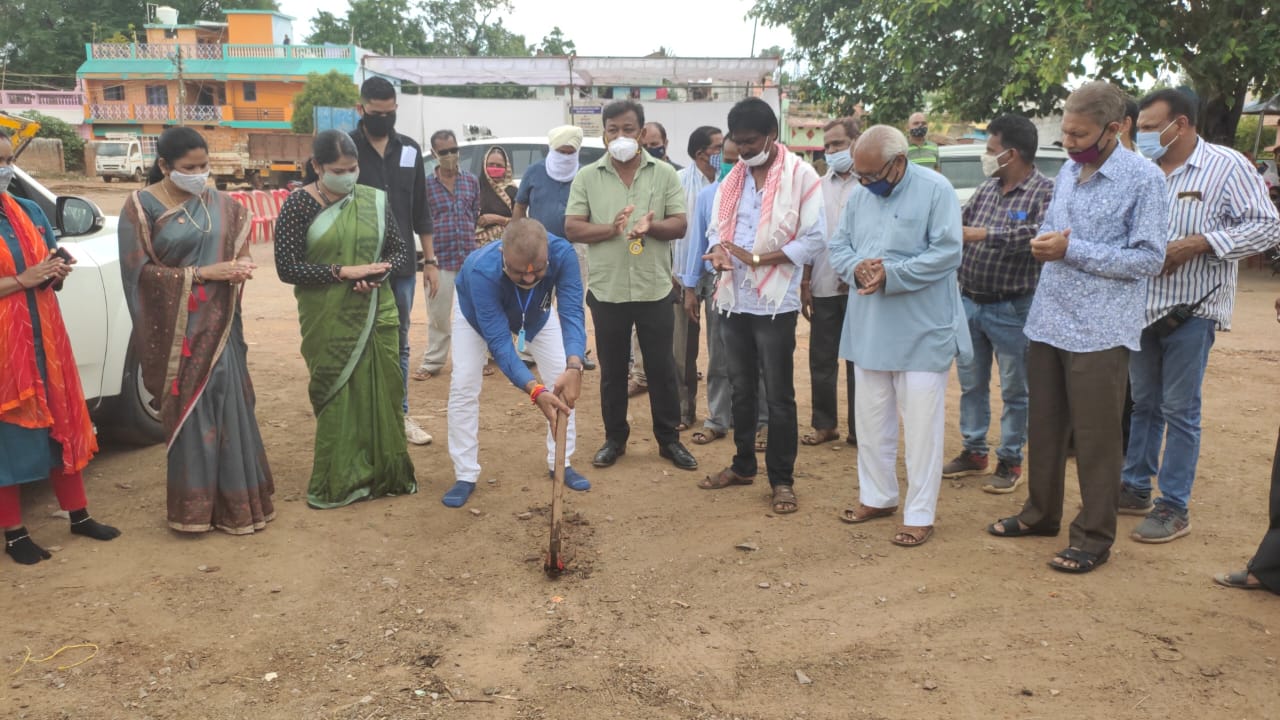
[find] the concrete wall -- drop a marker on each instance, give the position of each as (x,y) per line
(43,156)
(419,116)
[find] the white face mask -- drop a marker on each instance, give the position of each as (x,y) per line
(623,149)
(841,162)
(759,158)
(6,177)
(991,163)
(192,184)
(561,167)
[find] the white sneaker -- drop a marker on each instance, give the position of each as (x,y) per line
(414,433)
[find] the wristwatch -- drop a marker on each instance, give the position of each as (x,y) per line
(431,261)
(755,260)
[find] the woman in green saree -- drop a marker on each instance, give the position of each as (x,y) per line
(335,240)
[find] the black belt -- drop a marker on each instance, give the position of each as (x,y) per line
(992,298)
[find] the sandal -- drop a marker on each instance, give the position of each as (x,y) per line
(1238,580)
(909,536)
(488,369)
(726,478)
(784,500)
(863,513)
(762,439)
(1012,527)
(423,374)
(682,427)
(706,436)
(817,437)
(1085,561)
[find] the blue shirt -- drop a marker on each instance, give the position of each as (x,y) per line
(546,198)
(699,244)
(492,304)
(916,323)
(1095,298)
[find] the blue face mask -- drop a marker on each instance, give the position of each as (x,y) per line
(841,161)
(1148,143)
(725,168)
(883,187)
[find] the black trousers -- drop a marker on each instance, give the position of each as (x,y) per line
(763,347)
(825,326)
(653,322)
(1265,564)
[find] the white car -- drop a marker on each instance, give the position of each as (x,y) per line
(523,151)
(962,165)
(97,318)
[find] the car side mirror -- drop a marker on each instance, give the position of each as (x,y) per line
(78,216)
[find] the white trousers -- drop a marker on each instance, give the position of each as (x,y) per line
(920,399)
(469,355)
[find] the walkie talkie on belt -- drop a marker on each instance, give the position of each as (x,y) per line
(1180,313)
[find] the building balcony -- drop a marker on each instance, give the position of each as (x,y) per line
(122,112)
(261,114)
(131,113)
(199,52)
(41,99)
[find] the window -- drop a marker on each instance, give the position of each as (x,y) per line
(158,95)
(113,93)
(251,92)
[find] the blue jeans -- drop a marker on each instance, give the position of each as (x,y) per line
(996,329)
(1166,377)
(404,288)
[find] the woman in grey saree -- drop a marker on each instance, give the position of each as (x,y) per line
(334,242)
(184,256)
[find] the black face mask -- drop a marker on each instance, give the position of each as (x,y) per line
(920,131)
(657,152)
(379,125)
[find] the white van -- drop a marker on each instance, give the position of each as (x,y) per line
(120,156)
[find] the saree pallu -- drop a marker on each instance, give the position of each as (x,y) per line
(351,344)
(190,342)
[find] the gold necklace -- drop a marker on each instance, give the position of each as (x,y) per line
(207,215)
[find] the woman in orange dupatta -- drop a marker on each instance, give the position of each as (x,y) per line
(45,431)
(184,256)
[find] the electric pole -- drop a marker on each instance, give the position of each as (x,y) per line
(182,90)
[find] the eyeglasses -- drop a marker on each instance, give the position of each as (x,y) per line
(447,151)
(880,175)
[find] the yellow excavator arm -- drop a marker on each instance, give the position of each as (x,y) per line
(20,130)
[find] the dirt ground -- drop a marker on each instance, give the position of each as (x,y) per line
(401,608)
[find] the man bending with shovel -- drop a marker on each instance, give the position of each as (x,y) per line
(505,291)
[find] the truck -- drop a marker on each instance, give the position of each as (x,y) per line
(261,160)
(120,156)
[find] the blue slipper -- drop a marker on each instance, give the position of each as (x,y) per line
(573,479)
(457,495)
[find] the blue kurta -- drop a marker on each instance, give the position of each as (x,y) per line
(28,454)
(916,323)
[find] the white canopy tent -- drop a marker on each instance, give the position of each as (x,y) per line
(571,70)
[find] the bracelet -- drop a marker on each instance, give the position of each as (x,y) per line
(336,271)
(537,390)
(431,261)
(579,368)
(198,277)
(18,279)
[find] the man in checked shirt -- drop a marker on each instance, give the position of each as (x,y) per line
(1219,212)
(997,281)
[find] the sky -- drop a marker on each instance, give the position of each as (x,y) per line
(691,28)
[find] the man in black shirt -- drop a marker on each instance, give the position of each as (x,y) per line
(392,162)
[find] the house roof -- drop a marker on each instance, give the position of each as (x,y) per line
(532,71)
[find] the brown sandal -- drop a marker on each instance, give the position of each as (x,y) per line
(817,437)
(784,500)
(706,436)
(863,513)
(909,536)
(726,478)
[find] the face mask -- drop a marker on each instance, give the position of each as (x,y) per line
(841,161)
(714,159)
(657,152)
(340,184)
(991,163)
(1148,143)
(725,168)
(623,149)
(6,176)
(561,167)
(759,158)
(449,162)
(919,132)
(1089,154)
(883,187)
(497,173)
(379,125)
(191,184)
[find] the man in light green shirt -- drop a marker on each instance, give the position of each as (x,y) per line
(919,150)
(628,208)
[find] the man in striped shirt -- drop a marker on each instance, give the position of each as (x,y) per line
(1219,213)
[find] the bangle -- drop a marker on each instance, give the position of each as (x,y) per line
(198,277)
(537,390)
(430,261)
(18,279)
(579,368)
(336,272)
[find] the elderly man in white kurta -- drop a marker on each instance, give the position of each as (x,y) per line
(899,243)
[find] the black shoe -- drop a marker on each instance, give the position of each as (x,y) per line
(678,455)
(608,454)
(587,362)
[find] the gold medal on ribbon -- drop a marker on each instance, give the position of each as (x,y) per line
(636,247)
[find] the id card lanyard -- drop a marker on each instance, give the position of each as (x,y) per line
(524,310)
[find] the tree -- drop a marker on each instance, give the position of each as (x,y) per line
(983,58)
(72,143)
(557,44)
(1247,134)
(386,27)
(331,90)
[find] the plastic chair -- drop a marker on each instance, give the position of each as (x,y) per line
(265,212)
(259,227)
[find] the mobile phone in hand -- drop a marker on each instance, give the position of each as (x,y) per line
(66,258)
(376,277)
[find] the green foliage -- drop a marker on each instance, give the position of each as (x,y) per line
(557,44)
(1247,134)
(985,58)
(331,90)
(384,26)
(72,143)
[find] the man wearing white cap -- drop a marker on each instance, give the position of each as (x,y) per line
(544,192)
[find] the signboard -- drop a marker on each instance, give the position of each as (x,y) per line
(587,117)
